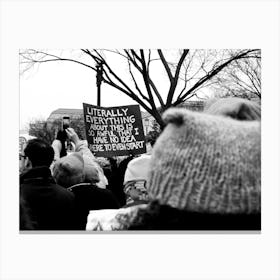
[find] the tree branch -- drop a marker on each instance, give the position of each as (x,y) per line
(165,64)
(175,79)
(211,74)
(150,80)
(146,80)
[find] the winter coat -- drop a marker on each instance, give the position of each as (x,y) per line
(90,197)
(51,206)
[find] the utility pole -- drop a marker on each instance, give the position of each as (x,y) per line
(99,72)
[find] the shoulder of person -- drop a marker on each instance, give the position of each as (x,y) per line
(141,159)
(64,192)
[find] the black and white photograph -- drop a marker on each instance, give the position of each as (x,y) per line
(139,139)
(185,156)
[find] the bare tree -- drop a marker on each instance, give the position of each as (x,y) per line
(41,129)
(242,78)
(142,86)
(47,130)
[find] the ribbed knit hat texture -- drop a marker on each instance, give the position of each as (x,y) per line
(69,170)
(234,107)
(207,163)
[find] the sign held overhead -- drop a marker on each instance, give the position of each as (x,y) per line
(114,131)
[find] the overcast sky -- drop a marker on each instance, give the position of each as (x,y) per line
(56,85)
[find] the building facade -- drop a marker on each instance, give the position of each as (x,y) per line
(148,121)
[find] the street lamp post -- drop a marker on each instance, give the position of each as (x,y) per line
(99,71)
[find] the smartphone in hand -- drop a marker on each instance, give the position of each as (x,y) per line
(65,122)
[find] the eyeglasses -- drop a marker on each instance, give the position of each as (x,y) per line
(22,156)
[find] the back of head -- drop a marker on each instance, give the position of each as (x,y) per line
(39,152)
(207,163)
(69,170)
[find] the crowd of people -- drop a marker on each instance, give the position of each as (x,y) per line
(202,173)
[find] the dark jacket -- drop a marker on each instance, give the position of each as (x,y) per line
(90,197)
(51,206)
(116,177)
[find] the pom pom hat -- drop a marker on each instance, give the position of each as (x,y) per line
(207,163)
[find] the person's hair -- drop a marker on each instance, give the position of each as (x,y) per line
(39,152)
(163,217)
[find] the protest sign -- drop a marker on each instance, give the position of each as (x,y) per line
(114,131)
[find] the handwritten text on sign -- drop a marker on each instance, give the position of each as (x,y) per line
(114,131)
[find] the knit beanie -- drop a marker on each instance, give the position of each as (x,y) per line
(69,170)
(137,169)
(207,163)
(234,107)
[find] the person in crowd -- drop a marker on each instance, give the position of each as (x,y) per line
(59,145)
(51,206)
(79,173)
(205,174)
(136,175)
(115,174)
(82,147)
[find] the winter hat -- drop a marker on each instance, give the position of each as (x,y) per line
(207,163)
(69,170)
(135,179)
(234,107)
(137,169)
